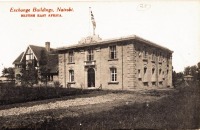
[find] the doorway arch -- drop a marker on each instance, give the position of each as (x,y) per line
(91,77)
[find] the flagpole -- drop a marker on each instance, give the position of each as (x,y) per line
(92,20)
(89,20)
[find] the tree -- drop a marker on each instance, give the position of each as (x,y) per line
(9,73)
(180,75)
(5,71)
(187,70)
(174,78)
(193,71)
(198,71)
(29,75)
(44,71)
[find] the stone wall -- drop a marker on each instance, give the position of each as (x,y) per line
(162,75)
(130,64)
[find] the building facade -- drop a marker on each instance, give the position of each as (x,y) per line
(36,56)
(121,63)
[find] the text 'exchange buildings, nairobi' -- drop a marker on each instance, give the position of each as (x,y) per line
(27,12)
(43,10)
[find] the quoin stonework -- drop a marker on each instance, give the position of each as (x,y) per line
(121,63)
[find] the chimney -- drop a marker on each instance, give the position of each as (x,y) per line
(47,46)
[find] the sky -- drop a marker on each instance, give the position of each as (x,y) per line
(170,23)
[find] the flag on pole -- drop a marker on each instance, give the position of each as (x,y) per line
(92,19)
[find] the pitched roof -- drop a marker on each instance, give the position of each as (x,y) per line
(18,59)
(53,63)
(131,37)
(37,50)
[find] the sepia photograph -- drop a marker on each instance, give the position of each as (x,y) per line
(100,65)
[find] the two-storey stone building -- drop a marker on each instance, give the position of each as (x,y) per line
(121,63)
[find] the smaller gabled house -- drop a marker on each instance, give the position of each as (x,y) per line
(37,56)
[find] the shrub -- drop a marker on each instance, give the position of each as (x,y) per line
(57,84)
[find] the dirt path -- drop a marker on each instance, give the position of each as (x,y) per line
(63,104)
(113,98)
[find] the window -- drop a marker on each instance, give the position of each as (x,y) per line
(113,72)
(153,76)
(160,71)
(29,55)
(145,70)
(153,56)
(153,71)
(160,56)
(145,53)
(90,55)
(168,58)
(163,75)
(71,75)
(113,53)
(139,74)
(18,66)
(139,52)
(145,74)
(71,57)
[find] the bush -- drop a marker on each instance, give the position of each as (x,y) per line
(10,94)
(57,84)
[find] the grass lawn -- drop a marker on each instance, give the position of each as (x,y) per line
(153,109)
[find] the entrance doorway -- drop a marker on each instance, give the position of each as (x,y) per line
(91,77)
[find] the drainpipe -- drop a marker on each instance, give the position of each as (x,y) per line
(64,70)
(122,69)
(100,68)
(157,65)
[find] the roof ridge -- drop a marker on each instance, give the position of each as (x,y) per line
(40,46)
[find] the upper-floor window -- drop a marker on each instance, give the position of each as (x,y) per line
(113,74)
(71,57)
(145,54)
(18,66)
(71,75)
(168,59)
(139,52)
(145,71)
(139,74)
(163,74)
(153,71)
(90,55)
(153,56)
(113,52)
(160,57)
(29,55)
(160,70)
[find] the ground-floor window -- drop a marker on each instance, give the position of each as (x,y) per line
(160,83)
(146,84)
(153,83)
(139,74)
(145,74)
(71,75)
(113,73)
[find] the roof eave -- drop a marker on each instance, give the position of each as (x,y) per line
(111,41)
